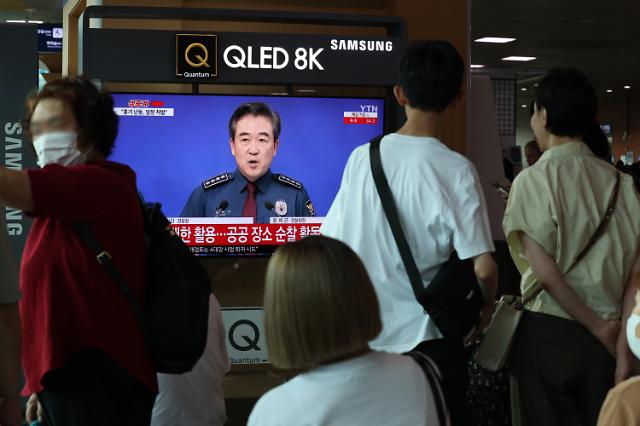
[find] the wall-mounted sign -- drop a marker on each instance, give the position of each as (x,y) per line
(196,56)
(242,58)
(50,38)
(20,75)
(246,342)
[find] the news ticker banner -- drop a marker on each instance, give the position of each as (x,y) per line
(242,58)
(239,236)
(18,76)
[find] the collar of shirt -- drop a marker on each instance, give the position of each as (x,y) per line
(240,182)
(569,148)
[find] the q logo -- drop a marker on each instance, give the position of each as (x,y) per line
(196,56)
(202,62)
(248,342)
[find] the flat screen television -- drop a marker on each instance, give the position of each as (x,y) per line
(180,144)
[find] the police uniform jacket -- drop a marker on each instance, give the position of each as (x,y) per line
(224,195)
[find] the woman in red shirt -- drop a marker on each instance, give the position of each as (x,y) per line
(82,350)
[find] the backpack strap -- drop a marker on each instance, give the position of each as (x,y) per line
(88,237)
(391,212)
(432,374)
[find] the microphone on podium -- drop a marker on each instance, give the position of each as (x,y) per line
(222,207)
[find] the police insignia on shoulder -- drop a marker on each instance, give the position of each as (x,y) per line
(310,209)
(287,180)
(217,180)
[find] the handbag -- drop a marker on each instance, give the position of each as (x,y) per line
(453,299)
(493,353)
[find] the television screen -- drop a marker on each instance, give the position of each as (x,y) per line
(181,149)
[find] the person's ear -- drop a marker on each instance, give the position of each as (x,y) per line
(232,145)
(276,145)
(543,116)
(398,92)
(457,100)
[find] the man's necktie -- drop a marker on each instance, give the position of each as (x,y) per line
(249,209)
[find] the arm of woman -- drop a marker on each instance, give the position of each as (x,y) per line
(551,280)
(15,189)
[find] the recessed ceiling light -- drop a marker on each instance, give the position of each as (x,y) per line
(519,58)
(495,40)
(16,21)
(525,106)
(524,89)
(627,87)
(609,91)
(476,66)
(35,22)
(535,85)
(307,90)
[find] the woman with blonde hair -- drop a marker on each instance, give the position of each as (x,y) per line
(320,313)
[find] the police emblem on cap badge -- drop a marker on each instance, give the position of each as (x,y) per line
(281,207)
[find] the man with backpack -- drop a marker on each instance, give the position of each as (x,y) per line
(441,207)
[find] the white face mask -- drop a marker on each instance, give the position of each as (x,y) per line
(58,147)
(632,334)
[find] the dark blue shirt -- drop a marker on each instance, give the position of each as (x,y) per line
(224,195)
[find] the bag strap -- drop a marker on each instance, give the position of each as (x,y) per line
(594,238)
(433,377)
(391,212)
(88,236)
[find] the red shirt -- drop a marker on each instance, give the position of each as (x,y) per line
(69,302)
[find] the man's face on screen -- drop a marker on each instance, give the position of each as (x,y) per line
(253,146)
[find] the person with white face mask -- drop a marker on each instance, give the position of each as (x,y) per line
(622,406)
(82,351)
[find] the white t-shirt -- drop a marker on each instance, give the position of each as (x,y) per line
(196,398)
(374,389)
(441,207)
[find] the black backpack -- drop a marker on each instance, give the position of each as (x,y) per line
(175,314)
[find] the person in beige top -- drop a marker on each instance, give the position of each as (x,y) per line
(10,412)
(563,359)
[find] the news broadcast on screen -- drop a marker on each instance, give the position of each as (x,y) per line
(184,156)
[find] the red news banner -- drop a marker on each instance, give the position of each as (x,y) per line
(211,236)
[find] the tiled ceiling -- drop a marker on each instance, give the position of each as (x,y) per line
(601,38)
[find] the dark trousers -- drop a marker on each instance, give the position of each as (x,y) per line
(92,390)
(450,358)
(562,372)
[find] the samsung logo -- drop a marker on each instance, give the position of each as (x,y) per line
(362,45)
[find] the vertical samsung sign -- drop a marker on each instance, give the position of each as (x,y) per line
(18,75)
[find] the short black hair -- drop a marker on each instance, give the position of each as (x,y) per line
(570,101)
(431,74)
(92,109)
(257,109)
(597,142)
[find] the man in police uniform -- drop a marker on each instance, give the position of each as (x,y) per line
(252,190)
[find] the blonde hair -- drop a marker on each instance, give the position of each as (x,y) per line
(319,304)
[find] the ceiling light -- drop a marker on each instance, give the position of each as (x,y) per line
(525,106)
(16,21)
(35,22)
(609,91)
(627,87)
(307,90)
(476,66)
(519,58)
(524,89)
(495,40)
